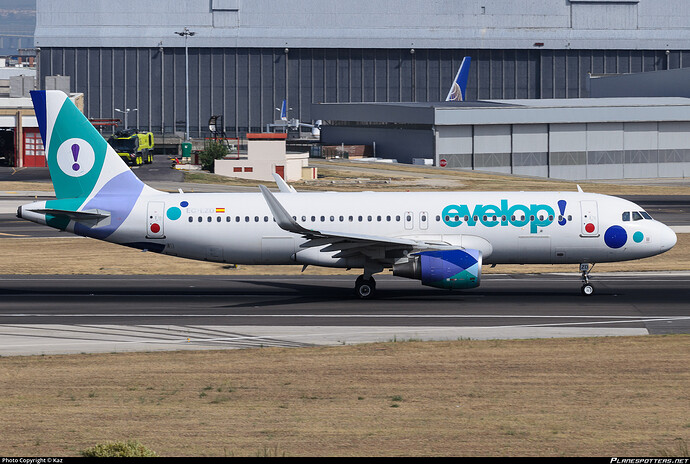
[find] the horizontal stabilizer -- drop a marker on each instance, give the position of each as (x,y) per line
(92,218)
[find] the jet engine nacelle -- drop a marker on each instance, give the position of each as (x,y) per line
(443,268)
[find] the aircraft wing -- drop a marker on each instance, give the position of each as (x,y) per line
(349,244)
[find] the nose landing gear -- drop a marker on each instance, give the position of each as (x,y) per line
(587,288)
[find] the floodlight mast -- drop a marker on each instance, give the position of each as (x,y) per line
(186,33)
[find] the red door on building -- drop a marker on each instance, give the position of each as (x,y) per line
(33,148)
(280,170)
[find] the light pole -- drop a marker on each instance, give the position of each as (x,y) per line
(186,33)
(127,110)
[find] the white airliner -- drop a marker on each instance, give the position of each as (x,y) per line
(440,238)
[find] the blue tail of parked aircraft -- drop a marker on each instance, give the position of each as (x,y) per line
(283,111)
(459,87)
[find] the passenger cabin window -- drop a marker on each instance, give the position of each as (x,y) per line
(626,216)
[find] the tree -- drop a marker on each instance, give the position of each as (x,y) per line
(213,150)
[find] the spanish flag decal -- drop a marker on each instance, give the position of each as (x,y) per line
(220,210)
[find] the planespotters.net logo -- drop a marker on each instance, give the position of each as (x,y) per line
(649,460)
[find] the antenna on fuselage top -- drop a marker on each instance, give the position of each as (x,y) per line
(579,189)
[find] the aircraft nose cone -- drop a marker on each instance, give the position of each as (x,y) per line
(668,238)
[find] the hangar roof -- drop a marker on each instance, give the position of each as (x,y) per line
(544,111)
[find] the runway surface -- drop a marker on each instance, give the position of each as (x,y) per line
(72,314)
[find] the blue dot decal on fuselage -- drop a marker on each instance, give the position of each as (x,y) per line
(184,204)
(615,237)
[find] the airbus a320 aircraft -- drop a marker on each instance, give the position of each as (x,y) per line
(442,239)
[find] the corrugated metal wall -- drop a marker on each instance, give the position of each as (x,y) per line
(245,85)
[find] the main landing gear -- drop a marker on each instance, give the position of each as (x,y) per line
(365,288)
(587,288)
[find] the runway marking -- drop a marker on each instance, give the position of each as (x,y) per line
(12,235)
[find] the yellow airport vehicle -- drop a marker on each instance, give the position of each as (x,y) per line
(136,148)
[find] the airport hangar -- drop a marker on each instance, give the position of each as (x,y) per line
(246,57)
(585,138)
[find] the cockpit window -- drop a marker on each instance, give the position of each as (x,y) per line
(636,216)
(626,216)
(645,215)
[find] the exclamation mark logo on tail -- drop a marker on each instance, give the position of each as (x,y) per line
(75,157)
(561,208)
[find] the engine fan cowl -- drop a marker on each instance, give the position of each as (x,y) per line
(444,268)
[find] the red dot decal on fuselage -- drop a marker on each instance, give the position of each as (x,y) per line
(155,228)
(589,228)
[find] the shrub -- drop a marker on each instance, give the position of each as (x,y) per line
(119,449)
(212,151)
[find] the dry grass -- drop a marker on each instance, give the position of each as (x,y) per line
(345,175)
(357,176)
(570,397)
(430,178)
(77,255)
